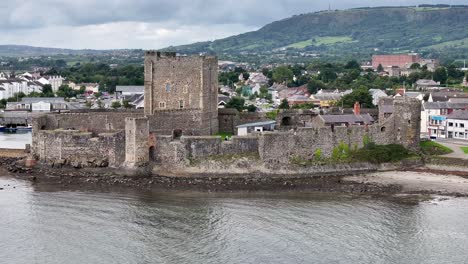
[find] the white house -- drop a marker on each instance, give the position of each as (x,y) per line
(245,129)
(54,81)
(376,95)
(434,117)
(457,125)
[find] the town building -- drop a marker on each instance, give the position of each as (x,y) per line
(457,125)
(424,84)
(245,129)
(38,104)
(402,61)
(434,117)
(54,81)
(376,95)
(129,90)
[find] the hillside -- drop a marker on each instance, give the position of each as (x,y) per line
(361,30)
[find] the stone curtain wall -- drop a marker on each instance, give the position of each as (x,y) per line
(171,152)
(401,128)
(95,122)
(80,149)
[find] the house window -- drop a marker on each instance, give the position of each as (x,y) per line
(462,125)
(168,87)
(450,124)
(162,104)
(181,104)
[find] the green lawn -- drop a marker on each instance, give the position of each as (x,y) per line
(434,148)
(319,41)
(465,149)
(224,135)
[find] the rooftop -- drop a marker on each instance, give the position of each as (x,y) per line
(459,114)
(130,88)
(264,123)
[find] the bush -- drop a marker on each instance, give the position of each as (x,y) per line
(381,153)
(433,148)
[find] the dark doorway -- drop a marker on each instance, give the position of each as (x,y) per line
(286,121)
(177,134)
(152,155)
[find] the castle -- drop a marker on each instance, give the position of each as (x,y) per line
(180,119)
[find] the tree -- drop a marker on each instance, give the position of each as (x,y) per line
(327,75)
(415,66)
(116,104)
(353,65)
(360,95)
(380,68)
(252,108)
(236,103)
(440,75)
(66,91)
(284,104)
(282,74)
(315,85)
(126,104)
(245,75)
(47,91)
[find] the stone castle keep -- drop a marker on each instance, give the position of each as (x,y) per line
(180,119)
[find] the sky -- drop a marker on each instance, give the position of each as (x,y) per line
(152,24)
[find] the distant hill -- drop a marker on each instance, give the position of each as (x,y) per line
(24,51)
(360,30)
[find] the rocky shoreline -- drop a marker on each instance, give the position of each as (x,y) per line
(349,180)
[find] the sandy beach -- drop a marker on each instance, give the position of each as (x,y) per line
(416,181)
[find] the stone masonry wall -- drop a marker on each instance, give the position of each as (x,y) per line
(80,149)
(180,152)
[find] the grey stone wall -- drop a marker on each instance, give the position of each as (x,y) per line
(136,142)
(179,152)
(80,149)
(401,128)
(188,84)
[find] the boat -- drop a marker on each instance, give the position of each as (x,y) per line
(18,129)
(24,128)
(2,128)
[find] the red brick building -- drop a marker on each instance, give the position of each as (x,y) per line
(402,61)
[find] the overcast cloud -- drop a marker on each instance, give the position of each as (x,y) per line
(151,24)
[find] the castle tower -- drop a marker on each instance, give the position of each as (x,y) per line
(183,85)
(136,142)
(407,120)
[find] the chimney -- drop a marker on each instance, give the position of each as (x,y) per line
(357,108)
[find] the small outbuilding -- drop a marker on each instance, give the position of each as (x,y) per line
(245,129)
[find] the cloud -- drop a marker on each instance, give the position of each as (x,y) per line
(150,23)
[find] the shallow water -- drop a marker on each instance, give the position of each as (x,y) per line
(61,226)
(15,140)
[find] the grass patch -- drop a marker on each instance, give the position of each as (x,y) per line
(432,148)
(461,43)
(464,149)
(320,41)
(370,153)
(223,135)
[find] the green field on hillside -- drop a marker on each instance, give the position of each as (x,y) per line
(461,43)
(320,41)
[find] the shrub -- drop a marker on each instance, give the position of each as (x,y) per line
(433,148)
(381,153)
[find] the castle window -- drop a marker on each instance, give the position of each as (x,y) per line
(186,89)
(168,87)
(382,129)
(162,104)
(181,104)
